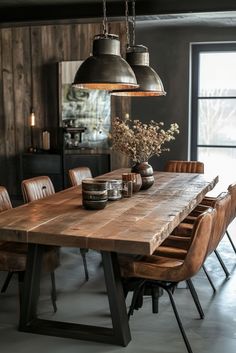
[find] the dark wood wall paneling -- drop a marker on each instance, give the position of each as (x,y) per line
(49,45)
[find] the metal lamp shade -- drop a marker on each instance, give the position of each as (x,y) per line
(105,69)
(148,80)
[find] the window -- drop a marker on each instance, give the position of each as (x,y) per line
(213,120)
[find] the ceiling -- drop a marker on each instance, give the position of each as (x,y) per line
(15,11)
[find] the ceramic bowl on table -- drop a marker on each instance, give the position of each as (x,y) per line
(94,194)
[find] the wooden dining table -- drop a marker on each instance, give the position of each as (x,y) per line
(132,225)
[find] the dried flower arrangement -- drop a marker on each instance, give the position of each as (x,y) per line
(141,141)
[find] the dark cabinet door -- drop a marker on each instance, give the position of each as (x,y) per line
(56,167)
(43,164)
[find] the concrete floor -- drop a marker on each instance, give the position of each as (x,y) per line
(80,301)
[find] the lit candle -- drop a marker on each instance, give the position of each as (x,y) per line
(32,119)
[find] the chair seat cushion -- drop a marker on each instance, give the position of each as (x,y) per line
(13,257)
(150,267)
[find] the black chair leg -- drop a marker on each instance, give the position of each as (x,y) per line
(53,292)
(139,288)
(231,241)
(83,254)
(7,281)
(155,299)
(195,298)
(186,341)
(227,274)
(209,278)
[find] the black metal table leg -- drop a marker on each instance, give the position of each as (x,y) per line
(119,334)
(31,286)
(116,298)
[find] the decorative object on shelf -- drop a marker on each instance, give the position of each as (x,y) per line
(146,172)
(73,137)
(140,141)
(137,56)
(105,69)
(46,140)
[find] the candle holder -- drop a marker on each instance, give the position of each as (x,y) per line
(32,147)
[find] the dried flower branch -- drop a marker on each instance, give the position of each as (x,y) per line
(141,141)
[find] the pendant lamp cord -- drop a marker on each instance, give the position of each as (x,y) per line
(133,22)
(127,23)
(104,22)
(31,71)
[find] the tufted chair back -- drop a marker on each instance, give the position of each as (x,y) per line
(76,175)
(5,202)
(37,188)
(184,167)
(159,268)
(232,191)
(222,205)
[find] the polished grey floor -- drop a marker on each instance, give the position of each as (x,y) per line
(80,301)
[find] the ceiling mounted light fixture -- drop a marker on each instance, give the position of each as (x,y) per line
(105,69)
(137,56)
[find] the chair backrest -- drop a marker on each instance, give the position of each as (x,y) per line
(37,188)
(222,205)
(184,167)
(5,202)
(176,270)
(232,191)
(76,175)
(198,250)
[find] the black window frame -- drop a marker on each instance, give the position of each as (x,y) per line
(196,49)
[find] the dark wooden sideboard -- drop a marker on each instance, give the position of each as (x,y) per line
(56,165)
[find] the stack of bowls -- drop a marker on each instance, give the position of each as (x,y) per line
(94,193)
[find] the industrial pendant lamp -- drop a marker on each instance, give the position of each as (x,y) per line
(105,69)
(137,56)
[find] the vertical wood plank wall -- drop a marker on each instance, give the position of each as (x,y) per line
(28,57)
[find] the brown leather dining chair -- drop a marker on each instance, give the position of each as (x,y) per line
(179,166)
(13,255)
(76,175)
(5,202)
(37,188)
(193,167)
(232,214)
(165,272)
(176,245)
(208,201)
(34,189)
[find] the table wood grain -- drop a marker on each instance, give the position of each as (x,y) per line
(135,225)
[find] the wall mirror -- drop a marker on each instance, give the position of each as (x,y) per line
(85,115)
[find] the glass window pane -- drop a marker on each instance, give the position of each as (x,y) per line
(219,161)
(217,122)
(217,74)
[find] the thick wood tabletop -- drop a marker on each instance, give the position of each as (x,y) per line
(135,225)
